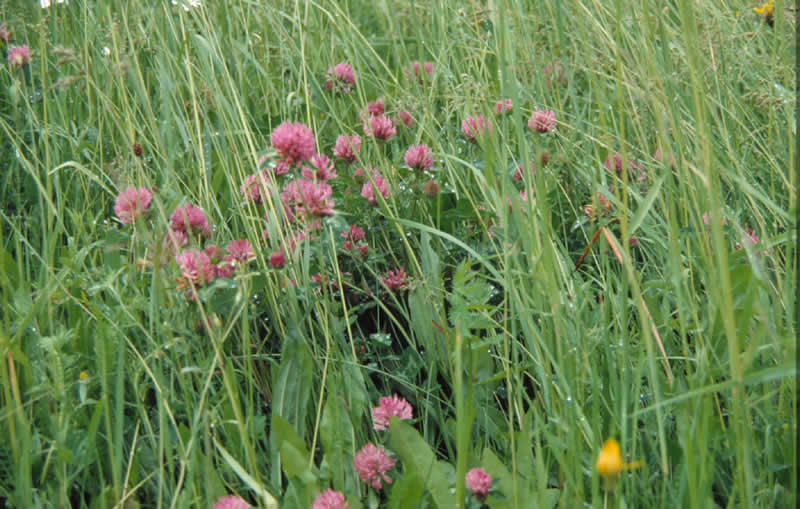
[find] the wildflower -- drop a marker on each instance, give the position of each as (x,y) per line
(750,238)
(132,203)
(314,198)
(380,127)
(356,234)
(390,406)
(240,251)
(18,56)
(340,78)
(518,174)
(277,260)
(609,463)
(231,502)
(330,499)
(667,158)
(5,34)
(614,162)
(195,266)
(765,10)
(83,376)
(419,157)
(380,184)
(554,71)
(371,464)
(473,127)
(254,187)
(363,249)
(431,188)
(294,142)
(542,121)
(359,174)
(479,482)
(174,240)
(395,280)
(375,108)
(405,117)
(347,147)
(190,219)
(502,106)
(323,168)
(415,69)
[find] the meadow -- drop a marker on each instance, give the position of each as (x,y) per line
(403,254)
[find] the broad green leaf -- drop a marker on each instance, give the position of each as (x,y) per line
(407,492)
(418,459)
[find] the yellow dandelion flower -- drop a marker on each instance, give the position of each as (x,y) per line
(765,9)
(84,375)
(609,463)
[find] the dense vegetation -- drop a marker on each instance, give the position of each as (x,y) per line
(556,267)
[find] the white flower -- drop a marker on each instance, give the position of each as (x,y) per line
(46,3)
(106,50)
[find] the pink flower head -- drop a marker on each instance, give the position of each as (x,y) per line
(415,70)
(614,162)
(231,502)
(277,260)
(174,240)
(240,251)
(368,191)
(132,203)
(431,188)
(323,168)
(254,187)
(518,174)
(330,499)
(473,127)
(395,280)
(542,121)
(502,106)
(195,266)
(294,142)
(347,147)
(479,482)
(363,249)
(354,234)
(5,35)
(340,78)
(419,157)
(659,156)
(371,464)
(314,198)
(405,117)
(18,56)
(380,127)
(751,239)
(557,73)
(390,406)
(360,174)
(190,219)
(375,108)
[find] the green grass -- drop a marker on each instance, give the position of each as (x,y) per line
(513,359)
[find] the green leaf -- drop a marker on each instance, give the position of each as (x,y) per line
(407,492)
(254,485)
(418,459)
(337,437)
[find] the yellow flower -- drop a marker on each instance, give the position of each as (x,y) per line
(84,375)
(765,9)
(609,463)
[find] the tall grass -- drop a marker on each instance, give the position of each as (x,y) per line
(118,391)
